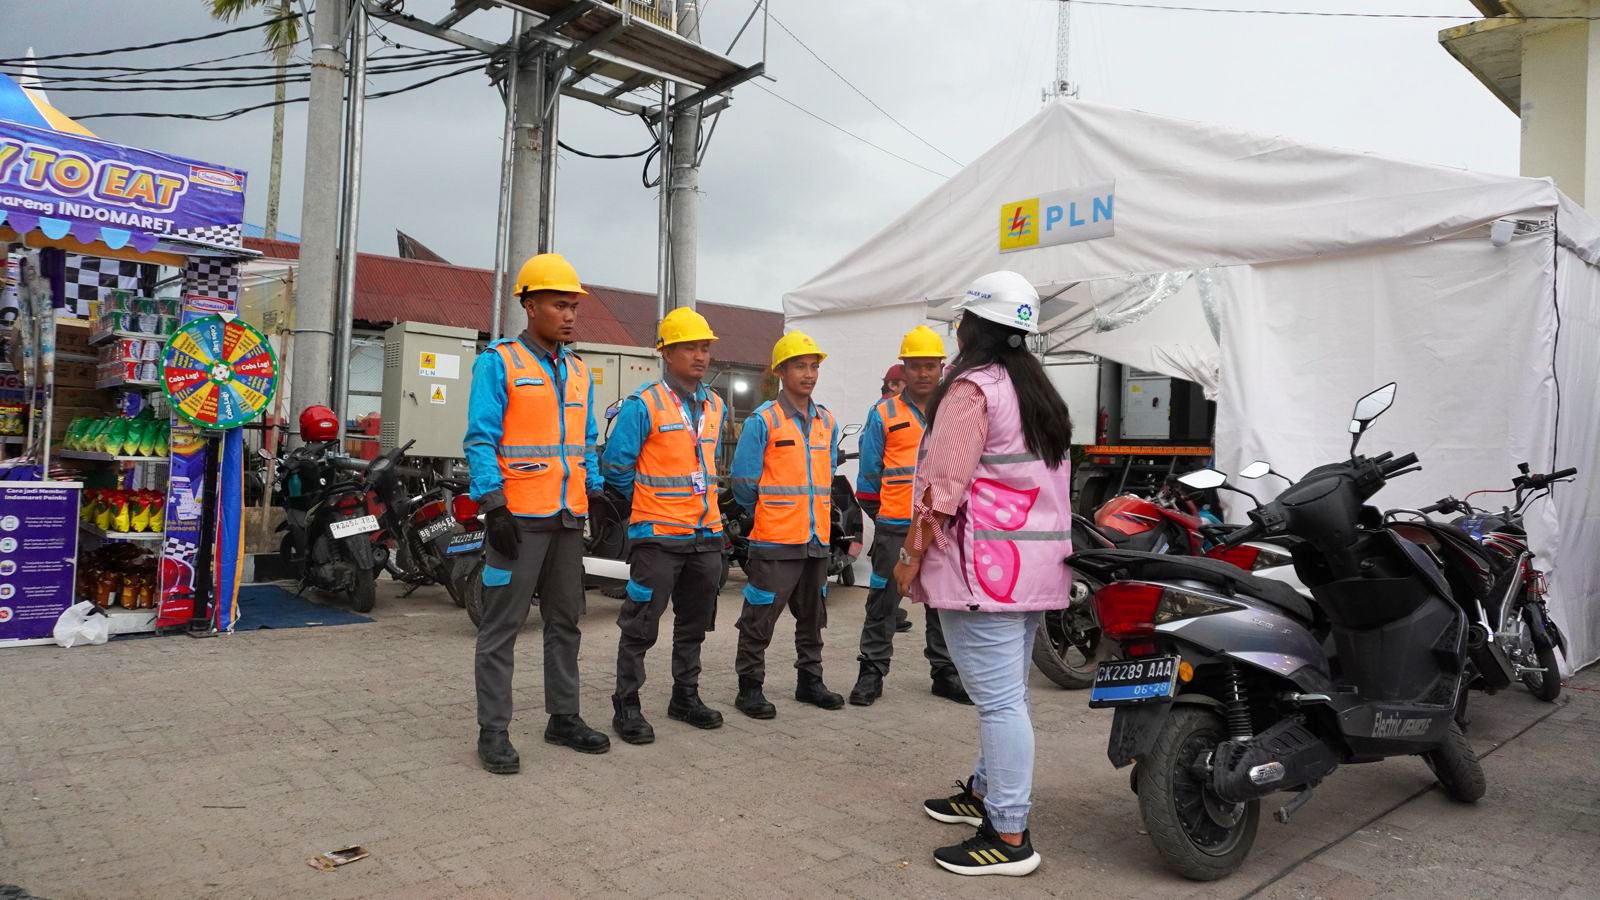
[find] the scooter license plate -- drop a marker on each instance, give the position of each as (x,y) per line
(352,527)
(466,542)
(1127,682)
(434,529)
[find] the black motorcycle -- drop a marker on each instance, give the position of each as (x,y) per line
(327,527)
(1487,558)
(424,532)
(1225,694)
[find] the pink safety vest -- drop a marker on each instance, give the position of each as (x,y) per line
(1009,539)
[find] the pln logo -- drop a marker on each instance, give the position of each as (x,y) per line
(1059,217)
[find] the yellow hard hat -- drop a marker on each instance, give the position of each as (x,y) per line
(548,272)
(922,342)
(681,326)
(795,343)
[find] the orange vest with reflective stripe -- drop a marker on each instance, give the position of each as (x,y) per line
(542,445)
(795,494)
(663,481)
(902,433)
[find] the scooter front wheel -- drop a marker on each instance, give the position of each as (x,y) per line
(1456,766)
(1070,646)
(1545,685)
(1199,835)
(364,590)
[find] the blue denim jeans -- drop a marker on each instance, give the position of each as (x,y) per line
(994,654)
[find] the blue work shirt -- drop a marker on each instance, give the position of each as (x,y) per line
(486,411)
(869,477)
(749,459)
(629,430)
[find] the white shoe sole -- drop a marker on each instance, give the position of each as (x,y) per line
(953,820)
(1020,867)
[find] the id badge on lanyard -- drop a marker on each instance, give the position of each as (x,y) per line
(697,478)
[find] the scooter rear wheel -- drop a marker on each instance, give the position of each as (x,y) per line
(364,590)
(1545,685)
(1198,835)
(1069,646)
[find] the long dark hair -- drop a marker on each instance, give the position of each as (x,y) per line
(1046,425)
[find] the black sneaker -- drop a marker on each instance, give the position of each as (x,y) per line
(985,854)
(963,808)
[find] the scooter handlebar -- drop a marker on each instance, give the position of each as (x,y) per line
(1247,533)
(1393,466)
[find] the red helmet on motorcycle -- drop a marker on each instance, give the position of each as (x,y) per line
(318,423)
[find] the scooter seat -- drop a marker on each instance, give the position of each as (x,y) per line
(1224,576)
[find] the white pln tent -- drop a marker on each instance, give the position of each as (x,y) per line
(1288,280)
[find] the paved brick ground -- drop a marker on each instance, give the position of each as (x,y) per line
(213,768)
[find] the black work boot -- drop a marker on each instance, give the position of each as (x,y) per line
(751,701)
(812,690)
(497,754)
(687,707)
(947,684)
(902,621)
(869,686)
(574,732)
(629,722)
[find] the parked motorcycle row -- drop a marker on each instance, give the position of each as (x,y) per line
(1323,633)
(346,520)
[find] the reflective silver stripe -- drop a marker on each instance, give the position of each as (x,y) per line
(995,535)
(792,491)
(899,470)
(664,481)
(1000,459)
(541,450)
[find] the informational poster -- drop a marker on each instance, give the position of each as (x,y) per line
(438,365)
(38,556)
(185,507)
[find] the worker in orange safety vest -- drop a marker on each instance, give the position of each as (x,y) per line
(661,455)
(530,447)
(783,470)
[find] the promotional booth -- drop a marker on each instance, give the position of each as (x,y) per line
(122,482)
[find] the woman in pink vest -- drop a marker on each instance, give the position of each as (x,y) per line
(991,530)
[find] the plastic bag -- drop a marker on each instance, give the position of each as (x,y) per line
(82,623)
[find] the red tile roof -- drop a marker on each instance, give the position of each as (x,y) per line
(391,289)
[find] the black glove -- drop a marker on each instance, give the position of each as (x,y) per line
(501,529)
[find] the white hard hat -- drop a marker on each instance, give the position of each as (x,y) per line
(1004,298)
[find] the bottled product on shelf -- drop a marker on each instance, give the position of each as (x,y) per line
(118,575)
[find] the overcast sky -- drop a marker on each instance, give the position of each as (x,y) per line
(784,195)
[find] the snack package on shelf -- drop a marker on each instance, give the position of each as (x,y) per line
(13,419)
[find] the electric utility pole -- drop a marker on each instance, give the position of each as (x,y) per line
(683,200)
(317,279)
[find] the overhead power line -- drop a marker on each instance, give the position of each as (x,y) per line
(1328,14)
(847,132)
(875,105)
(234,113)
(88,54)
(117,84)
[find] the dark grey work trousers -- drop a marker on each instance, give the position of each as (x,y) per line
(883,605)
(797,584)
(549,564)
(659,575)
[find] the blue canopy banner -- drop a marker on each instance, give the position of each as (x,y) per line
(64,184)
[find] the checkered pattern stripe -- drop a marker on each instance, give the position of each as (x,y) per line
(215,235)
(177,548)
(211,278)
(94,278)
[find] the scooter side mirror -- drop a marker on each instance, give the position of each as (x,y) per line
(265,454)
(1203,479)
(612,410)
(1373,405)
(850,429)
(1255,470)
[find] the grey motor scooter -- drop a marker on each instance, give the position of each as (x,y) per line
(1224,693)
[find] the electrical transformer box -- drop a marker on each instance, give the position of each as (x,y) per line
(427,373)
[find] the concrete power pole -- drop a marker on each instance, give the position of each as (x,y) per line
(317,279)
(684,197)
(528,177)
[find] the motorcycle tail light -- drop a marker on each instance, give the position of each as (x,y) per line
(464,507)
(1537,585)
(429,511)
(1127,609)
(1250,558)
(855,549)
(347,503)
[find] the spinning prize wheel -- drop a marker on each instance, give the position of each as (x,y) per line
(219,374)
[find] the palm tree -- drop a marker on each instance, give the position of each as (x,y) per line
(282,34)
